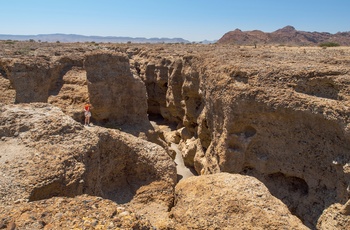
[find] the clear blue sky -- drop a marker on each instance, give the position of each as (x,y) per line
(194,20)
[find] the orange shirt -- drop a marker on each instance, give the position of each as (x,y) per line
(87,107)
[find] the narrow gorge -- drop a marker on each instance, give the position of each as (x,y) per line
(264,133)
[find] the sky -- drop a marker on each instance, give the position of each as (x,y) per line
(193,20)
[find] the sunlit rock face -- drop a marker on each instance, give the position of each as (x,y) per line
(279,114)
(115,93)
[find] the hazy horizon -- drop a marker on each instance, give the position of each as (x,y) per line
(194,20)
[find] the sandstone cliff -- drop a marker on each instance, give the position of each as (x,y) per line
(280,114)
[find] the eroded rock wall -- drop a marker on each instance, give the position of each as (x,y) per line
(59,80)
(280,114)
(296,143)
(115,93)
(281,146)
(31,80)
(286,123)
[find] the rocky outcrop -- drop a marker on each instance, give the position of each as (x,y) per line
(226,201)
(335,216)
(71,160)
(284,36)
(31,80)
(34,80)
(115,93)
(58,80)
(41,137)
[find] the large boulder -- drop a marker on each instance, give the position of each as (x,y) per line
(70,160)
(227,201)
(336,216)
(43,138)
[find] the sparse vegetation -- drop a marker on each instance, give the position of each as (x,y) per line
(23,51)
(9,42)
(329,44)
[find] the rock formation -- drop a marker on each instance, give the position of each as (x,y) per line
(279,114)
(274,120)
(110,86)
(285,36)
(335,216)
(226,201)
(45,153)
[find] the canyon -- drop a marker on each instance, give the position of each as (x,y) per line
(265,132)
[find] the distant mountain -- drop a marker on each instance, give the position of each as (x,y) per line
(285,36)
(82,38)
(208,42)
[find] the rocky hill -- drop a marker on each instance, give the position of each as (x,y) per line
(285,36)
(266,130)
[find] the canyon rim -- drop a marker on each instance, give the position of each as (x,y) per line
(265,129)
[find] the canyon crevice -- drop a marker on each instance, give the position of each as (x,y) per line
(279,114)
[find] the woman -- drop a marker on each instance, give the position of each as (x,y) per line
(87,113)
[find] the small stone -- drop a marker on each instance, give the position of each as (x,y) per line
(11,226)
(111,225)
(125,213)
(94,223)
(42,223)
(18,201)
(59,215)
